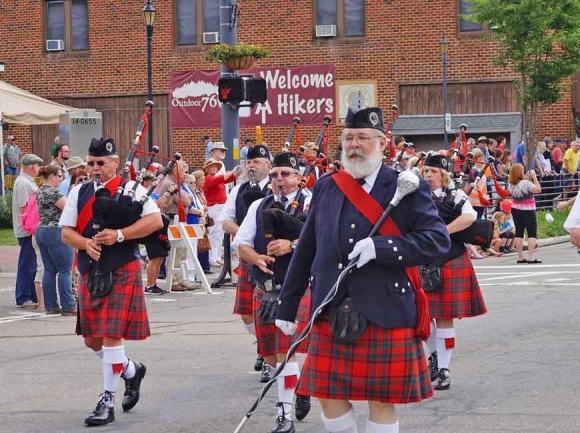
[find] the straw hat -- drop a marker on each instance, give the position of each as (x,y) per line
(211,162)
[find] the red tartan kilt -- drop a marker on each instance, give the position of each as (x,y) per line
(271,340)
(244,291)
(460,295)
(120,314)
(386,365)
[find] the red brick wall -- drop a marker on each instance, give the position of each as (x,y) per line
(401,46)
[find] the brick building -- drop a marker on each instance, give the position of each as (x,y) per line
(392,45)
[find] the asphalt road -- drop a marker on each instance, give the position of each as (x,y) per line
(513,370)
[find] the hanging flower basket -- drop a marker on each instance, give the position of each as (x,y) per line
(234,57)
(242,62)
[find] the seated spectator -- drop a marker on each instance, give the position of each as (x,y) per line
(57,256)
(506,232)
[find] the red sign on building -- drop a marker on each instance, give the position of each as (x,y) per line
(307,92)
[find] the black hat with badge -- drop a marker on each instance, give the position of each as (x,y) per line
(102,147)
(286,159)
(371,117)
(437,161)
(259,151)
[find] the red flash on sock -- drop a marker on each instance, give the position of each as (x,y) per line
(290,382)
(118,368)
(450,343)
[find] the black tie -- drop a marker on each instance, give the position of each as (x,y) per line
(361,181)
(284,200)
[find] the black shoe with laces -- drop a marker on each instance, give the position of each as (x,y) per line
(302,406)
(104,413)
(433,368)
(267,373)
(443,380)
(259,363)
(132,387)
(283,424)
(156,290)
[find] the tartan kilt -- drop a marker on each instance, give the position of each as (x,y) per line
(244,291)
(120,314)
(271,340)
(460,294)
(386,365)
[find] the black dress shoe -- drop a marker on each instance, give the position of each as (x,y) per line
(443,380)
(258,364)
(283,425)
(433,368)
(302,406)
(131,396)
(104,413)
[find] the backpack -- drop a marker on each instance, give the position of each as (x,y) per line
(30,218)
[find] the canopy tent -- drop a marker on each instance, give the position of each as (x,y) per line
(20,107)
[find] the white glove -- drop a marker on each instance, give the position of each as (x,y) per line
(365,250)
(288,328)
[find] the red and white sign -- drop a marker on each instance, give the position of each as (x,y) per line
(307,92)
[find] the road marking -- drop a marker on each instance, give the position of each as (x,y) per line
(526,265)
(161,300)
(27,316)
(526,275)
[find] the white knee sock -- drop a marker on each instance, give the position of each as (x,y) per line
(432,337)
(343,424)
(445,344)
(251,328)
(113,358)
(287,382)
(128,368)
(373,427)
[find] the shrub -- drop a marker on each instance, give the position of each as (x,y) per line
(222,52)
(6,211)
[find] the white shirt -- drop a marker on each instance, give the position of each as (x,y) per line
(70,212)
(467,208)
(371,179)
(247,232)
(573,220)
(229,211)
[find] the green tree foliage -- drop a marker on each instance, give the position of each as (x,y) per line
(540,41)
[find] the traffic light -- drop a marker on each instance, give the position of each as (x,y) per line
(231,90)
(234,90)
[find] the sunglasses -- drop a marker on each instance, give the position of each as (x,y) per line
(274,175)
(99,163)
(81,179)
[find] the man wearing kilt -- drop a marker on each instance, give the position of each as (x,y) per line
(268,265)
(367,345)
(105,320)
(258,166)
(459,295)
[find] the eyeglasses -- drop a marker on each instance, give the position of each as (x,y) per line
(274,175)
(359,138)
(99,163)
(81,179)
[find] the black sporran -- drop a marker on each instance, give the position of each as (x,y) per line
(268,307)
(430,277)
(99,283)
(346,321)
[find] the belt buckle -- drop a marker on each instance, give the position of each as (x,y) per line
(269,286)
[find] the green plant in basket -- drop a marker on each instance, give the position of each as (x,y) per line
(223,52)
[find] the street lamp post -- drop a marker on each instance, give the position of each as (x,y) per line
(149,13)
(446,115)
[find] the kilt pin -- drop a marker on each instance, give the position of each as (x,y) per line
(271,340)
(459,295)
(120,314)
(244,291)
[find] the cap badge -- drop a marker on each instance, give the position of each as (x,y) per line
(109,147)
(262,151)
(373,118)
(444,162)
(293,161)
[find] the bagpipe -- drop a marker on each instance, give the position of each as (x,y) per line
(392,119)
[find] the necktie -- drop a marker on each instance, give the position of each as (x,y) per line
(361,181)
(284,201)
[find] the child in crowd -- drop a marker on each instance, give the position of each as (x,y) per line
(506,232)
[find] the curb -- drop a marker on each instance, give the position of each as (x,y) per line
(550,241)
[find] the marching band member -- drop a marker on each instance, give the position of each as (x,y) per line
(258,166)
(121,314)
(459,294)
(263,256)
(382,362)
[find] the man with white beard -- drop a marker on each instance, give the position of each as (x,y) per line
(367,344)
(258,166)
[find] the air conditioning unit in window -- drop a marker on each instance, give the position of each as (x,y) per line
(54,45)
(211,37)
(326,31)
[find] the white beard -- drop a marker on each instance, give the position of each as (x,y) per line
(363,165)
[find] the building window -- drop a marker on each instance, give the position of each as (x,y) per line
(466,8)
(195,17)
(347,15)
(67,21)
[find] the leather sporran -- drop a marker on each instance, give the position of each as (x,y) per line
(346,321)
(99,283)
(203,244)
(430,277)
(268,307)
